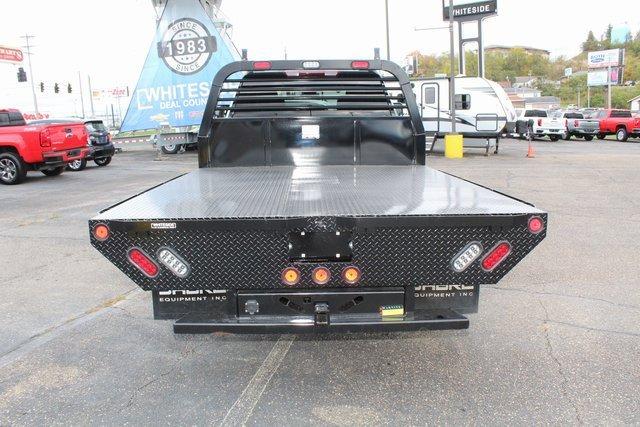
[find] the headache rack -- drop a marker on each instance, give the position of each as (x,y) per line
(336,105)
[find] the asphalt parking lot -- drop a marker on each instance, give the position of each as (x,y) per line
(557,342)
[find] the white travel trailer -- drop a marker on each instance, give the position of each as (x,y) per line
(484,112)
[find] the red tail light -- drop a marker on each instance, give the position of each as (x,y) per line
(360,65)
(566,122)
(539,122)
(576,123)
(262,65)
(45,138)
(142,261)
(496,256)
(536,224)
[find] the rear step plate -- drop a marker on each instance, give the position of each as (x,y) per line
(418,320)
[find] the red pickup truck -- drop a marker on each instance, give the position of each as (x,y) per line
(41,147)
(619,123)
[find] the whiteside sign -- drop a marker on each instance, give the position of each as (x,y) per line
(470,11)
(606,58)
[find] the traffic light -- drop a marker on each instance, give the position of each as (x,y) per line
(56,88)
(41,86)
(22,76)
(69,89)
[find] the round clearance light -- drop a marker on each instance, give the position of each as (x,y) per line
(101,232)
(351,275)
(321,275)
(290,276)
(536,225)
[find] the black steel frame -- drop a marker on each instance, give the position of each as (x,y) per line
(223,76)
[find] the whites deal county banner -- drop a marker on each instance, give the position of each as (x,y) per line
(174,84)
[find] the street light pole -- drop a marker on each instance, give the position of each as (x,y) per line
(452,78)
(28,47)
(386,16)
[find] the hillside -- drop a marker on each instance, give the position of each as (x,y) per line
(505,67)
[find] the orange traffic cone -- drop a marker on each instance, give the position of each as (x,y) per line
(530,152)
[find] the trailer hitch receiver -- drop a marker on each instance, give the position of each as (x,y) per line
(321,314)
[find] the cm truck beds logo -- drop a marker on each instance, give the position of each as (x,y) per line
(186,46)
(444,291)
(184,295)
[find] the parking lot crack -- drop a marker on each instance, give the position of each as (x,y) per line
(557,294)
(588,328)
(52,332)
(551,353)
(188,352)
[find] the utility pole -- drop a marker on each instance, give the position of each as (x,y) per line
(93,113)
(386,16)
(452,60)
(81,95)
(28,47)
(578,97)
(609,87)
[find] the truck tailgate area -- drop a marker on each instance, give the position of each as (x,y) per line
(238,228)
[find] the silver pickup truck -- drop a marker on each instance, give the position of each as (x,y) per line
(577,125)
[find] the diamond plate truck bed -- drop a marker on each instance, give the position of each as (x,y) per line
(313,211)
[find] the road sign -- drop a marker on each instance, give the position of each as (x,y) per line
(11,54)
(568,72)
(471,11)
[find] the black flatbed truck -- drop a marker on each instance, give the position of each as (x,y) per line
(313,211)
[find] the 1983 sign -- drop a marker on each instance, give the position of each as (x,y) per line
(186,46)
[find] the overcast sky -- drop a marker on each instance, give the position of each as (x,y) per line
(109,39)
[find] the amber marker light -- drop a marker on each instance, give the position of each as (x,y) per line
(351,275)
(101,232)
(290,276)
(321,275)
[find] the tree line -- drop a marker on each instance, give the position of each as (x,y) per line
(503,67)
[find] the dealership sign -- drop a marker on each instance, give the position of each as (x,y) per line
(174,84)
(604,77)
(605,58)
(471,11)
(10,54)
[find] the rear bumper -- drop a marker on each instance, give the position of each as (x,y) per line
(101,151)
(53,159)
(419,320)
(542,131)
(584,132)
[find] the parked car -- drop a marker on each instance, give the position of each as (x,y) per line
(539,123)
(101,149)
(619,123)
(44,147)
(577,125)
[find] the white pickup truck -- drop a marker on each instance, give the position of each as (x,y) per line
(539,123)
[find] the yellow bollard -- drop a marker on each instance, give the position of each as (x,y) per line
(453,146)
